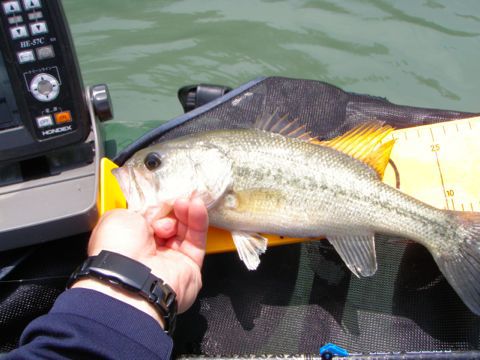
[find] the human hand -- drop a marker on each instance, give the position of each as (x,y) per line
(173,247)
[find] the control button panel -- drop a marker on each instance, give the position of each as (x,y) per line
(18,32)
(36,15)
(31,4)
(44,87)
(25,56)
(44,121)
(45,52)
(63,117)
(13,20)
(43,70)
(38,28)
(11,7)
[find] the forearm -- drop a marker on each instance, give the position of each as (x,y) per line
(131,299)
(88,324)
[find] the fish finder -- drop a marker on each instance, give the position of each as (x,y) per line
(49,143)
(42,105)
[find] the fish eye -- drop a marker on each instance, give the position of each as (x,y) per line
(152,161)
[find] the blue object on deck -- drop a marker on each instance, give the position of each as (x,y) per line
(328,351)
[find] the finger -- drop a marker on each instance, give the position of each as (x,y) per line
(174,243)
(165,228)
(195,239)
(115,231)
(180,209)
(153,213)
(197,216)
(160,242)
(150,214)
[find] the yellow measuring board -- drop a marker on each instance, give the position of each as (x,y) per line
(438,164)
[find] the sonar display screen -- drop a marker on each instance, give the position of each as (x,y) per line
(9,116)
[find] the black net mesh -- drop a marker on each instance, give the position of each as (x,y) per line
(32,283)
(326,110)
(302,296)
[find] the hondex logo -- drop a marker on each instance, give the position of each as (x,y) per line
(57,130)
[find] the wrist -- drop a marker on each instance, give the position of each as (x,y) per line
(132,282)
(121,295)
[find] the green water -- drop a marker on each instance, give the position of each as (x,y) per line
(420,53)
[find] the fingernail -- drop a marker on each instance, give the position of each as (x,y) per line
(167,224)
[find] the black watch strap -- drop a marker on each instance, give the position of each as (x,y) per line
(133,276)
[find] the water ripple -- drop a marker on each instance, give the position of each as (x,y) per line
(420,53)
(399,15)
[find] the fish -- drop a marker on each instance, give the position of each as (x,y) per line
(276,178)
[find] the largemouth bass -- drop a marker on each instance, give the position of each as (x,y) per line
(256,181)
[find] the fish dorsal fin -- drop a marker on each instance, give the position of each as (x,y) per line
(364,143)
(284,126)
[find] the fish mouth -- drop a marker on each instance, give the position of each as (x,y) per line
(134,187)
(140,192)
(121,174)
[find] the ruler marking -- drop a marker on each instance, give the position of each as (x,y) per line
(438,138)
(441,179)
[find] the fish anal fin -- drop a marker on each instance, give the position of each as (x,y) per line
(357,251)
(364,144)
(249,246)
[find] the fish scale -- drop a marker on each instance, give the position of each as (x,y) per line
(337,195)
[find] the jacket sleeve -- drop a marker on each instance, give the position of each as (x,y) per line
(84,323)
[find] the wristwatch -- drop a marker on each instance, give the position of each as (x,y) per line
(119,270)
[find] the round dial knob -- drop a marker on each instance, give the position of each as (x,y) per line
(102,105)
(44,87)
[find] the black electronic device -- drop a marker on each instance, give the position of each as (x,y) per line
(50,146)
(42,103)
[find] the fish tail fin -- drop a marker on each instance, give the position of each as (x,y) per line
(461,266)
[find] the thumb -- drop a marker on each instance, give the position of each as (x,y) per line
(159,211)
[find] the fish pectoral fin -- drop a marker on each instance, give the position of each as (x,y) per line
(249,246)
(357,251)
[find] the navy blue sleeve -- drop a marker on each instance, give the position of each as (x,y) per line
(84,323)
